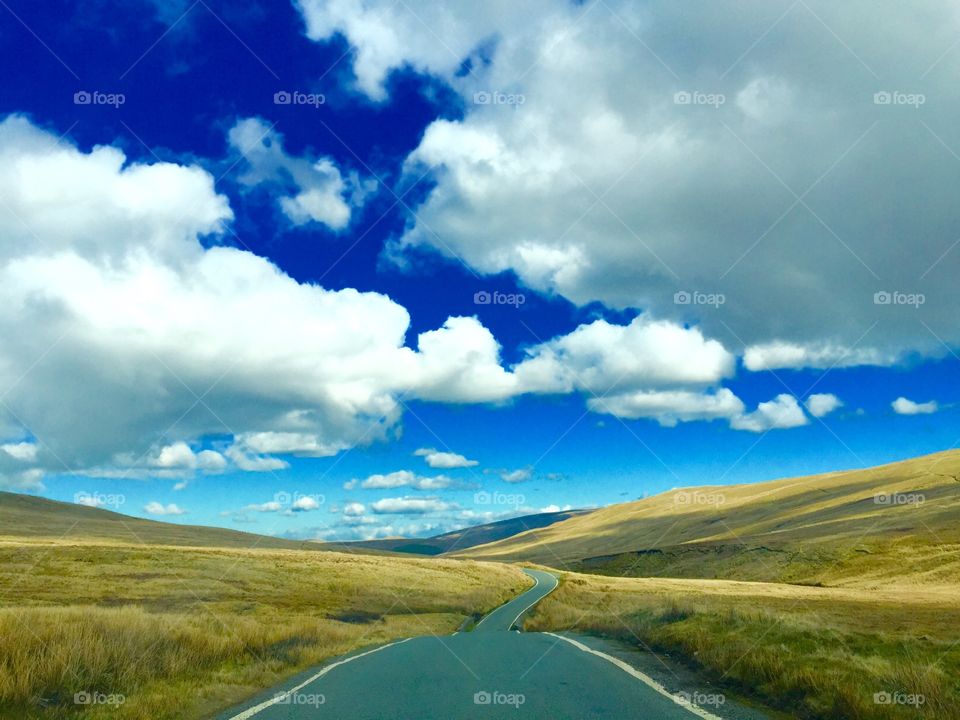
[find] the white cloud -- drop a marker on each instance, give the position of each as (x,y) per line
(517,186)
(305,504)
(555,508)
(903,406)
(354,509)
(286,443)
(410,505)
(600,357)
(668,407)
(444,460)
(821,404)
(782,355)
(271,506)
(404,478)
(781,412)
(516,476)
(320,192)
(22,451)
(156,508)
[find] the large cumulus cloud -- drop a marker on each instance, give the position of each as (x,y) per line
(623,178)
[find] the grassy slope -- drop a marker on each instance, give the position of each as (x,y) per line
(466,538)
(184,631)
(820,529)
(859,598)
(813,652)
(24,516)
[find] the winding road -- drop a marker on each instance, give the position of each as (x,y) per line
(490,672)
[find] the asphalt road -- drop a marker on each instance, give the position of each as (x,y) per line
(491,672)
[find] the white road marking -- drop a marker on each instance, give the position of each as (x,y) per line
(536,582)
(249,713)
(645,679)
(555,584)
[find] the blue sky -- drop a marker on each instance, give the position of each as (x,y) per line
(225,308)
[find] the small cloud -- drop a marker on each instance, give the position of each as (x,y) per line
(24,451)
(903,406)
(156,508)
(354,509)
(821,404)
(516,476)
(780,413)
(305,504)
(555,508)
(444,460)
(410,505)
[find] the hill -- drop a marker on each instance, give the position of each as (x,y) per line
(462,539)
(25,517)
(896,523)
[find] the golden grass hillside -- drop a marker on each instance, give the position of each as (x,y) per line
(897,523)
(824,653)
(25,516)
(182,632)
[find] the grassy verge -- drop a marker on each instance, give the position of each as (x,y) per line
(812,652)
(184,632)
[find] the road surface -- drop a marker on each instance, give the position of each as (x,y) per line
(491,672)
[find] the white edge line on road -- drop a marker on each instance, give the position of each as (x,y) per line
(645,679)
(556,583)
(250,712)
(536,581)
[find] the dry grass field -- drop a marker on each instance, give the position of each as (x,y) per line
(182,632)
(812,652)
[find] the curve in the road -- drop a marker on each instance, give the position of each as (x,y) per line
(507,615)
(487,673)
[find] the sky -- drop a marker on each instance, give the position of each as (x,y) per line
(344,269)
